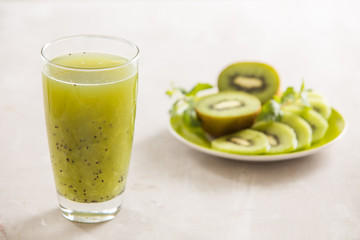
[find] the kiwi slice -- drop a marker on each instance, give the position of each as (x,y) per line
(247,141)
(258,79)
(301,127)
(227,112)
(315,95)
(321,106)
(318,123)
(281,137)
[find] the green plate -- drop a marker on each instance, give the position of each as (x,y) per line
(197,139)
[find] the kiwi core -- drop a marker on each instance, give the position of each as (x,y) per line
(227,104)
(273,140)
(240,141)
(248,83)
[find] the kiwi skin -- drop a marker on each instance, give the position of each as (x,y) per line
(226,125)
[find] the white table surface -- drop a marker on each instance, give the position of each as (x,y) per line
(174,192)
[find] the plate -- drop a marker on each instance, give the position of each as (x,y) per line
(196,139)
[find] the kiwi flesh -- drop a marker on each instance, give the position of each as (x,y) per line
(301,127)
(247,141)
(258,79)
(281,137)
(318,123)
(321,106)
(227,112)
(317,102)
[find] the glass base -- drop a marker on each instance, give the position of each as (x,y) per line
(90,212)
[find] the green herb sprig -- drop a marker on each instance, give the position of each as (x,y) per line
(272,109)
(185,102)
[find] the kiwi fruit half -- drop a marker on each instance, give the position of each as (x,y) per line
(258,79)
(247,141)
(281,137)
(227,112)
(301,127)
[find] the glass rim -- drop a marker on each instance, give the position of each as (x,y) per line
(48,44)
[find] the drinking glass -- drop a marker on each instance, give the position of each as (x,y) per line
(90,88)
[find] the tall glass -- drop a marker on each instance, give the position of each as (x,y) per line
(90,90)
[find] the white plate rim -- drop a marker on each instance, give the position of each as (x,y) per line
(257,158)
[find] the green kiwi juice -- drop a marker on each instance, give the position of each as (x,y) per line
(90,104)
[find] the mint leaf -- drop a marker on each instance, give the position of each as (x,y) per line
(185,103)
(190,117)
(271,111)
(288,96)
(304,95)
(199,87)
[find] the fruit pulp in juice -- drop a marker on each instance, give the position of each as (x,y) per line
(90,113)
